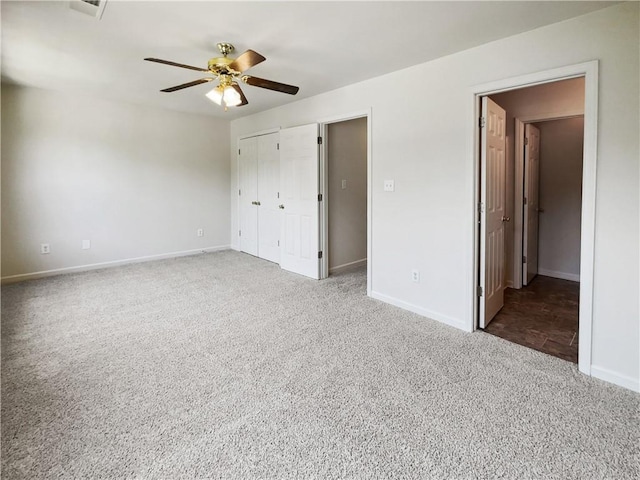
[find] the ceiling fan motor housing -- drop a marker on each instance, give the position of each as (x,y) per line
(220,65)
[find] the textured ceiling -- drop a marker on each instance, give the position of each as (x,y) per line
(319,46)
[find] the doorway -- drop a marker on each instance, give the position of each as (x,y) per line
(345,185)
(346,189)
(541,311)
(588,72)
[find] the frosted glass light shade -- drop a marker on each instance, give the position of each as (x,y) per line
(215,95)
(228,95)
(231,97)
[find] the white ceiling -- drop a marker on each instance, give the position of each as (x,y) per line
(319,46)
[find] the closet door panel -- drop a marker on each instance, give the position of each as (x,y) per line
(248,184)
(269,214)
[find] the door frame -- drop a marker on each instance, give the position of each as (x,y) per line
(323,189)
(588,70)
(518,202)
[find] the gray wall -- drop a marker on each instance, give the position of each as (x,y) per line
(561,197)
(347,148)
(135,181)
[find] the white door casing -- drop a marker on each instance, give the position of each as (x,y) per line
(492,210)
(590,71)
(248,194)
(299,184)
(531,203)
(268,197)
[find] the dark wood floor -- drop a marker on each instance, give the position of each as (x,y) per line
(543,316)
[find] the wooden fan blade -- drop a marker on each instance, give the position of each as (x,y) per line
(174,64)
(247,60)
(237,88)
(187,85)
(271,85)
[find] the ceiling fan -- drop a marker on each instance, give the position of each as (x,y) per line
(226,70)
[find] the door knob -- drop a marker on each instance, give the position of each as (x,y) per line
(506,219)
(281,207)
(254,203)
(541,210)
(258,203)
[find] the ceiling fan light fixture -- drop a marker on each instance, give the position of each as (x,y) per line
(227,95)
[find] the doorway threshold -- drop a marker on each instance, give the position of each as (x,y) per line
(542,316)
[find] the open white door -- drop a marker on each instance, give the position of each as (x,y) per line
(268,198)
(531,203)
(299,174)
(492,210)
(248,171)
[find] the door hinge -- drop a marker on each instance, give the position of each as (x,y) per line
(319,197)
(238,151)
(479,291)
(525,200)
(526,141)
(481,122)
(480,208)
(277,146)
(319,254)
(239,193)
(524,259)
(239,233)
(319,140)
(278,194)
(278,242)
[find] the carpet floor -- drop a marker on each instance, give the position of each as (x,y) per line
(222,365)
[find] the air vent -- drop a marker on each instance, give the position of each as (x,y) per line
(93,8)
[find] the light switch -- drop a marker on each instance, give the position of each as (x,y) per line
(344,184)
(389,186)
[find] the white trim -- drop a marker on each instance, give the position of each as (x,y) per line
(574,277)
(550,116)
(588,70)
(615,378)
(268,131)
(452,322)
(518,195)
(114,263)
(346,266)
(324,123)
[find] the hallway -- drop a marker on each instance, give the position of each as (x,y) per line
(542,316)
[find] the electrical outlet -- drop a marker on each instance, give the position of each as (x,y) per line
(389,185)
(44,248)
(86,244)
(415,276)
(200,232)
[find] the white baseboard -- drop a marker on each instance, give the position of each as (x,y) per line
(452,322)
(115,263)
(358,263)
(615,378)
(574,277)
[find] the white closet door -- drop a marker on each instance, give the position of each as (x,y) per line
(268,197)
(299,194)
(248,182)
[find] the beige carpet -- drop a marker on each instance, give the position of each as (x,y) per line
(223,366)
